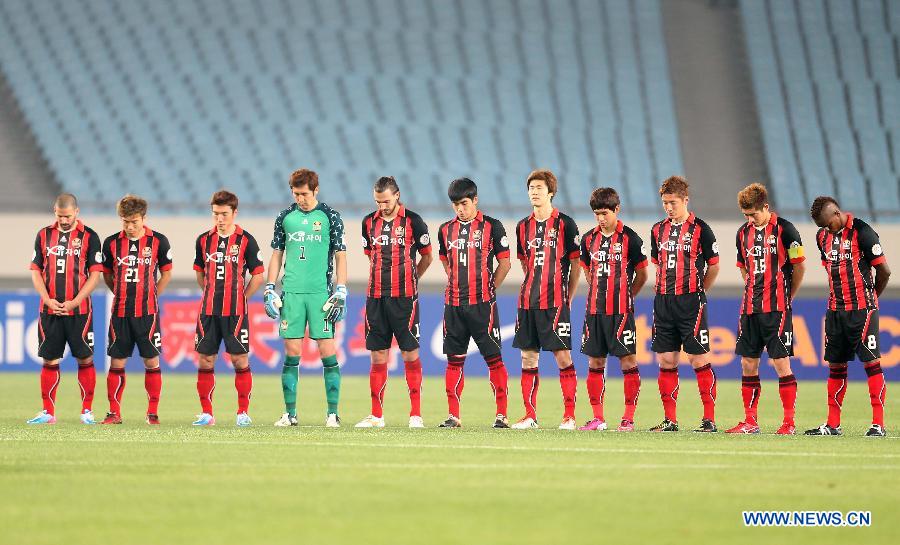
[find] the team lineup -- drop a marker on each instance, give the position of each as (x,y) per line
(309,255)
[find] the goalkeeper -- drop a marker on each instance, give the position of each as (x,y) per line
(309,240)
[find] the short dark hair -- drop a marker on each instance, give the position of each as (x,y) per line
(130,205)
(604,198)
(387,182)
(224,198)
(304,177)
(819,204)
(65,200)
(462,188)
(675,185)
(545,176)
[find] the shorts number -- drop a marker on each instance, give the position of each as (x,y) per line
(539,259)
(871,342)
(60,266)
(157,340)
(671,260)
(704,336)
(564,329)
(245,336)
(131,275)
(788,338)
(463,256)
(628,337)
(416,331)
(495,333)
(220,272)
(90,339)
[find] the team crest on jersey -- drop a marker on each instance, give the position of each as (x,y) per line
(147,251)
(551,232)
(399,231)
(284,325)
(317,226)
(476,235)
(76,243)
(234,250)
(686,237)
(771,240)
(846,244)
(617,248)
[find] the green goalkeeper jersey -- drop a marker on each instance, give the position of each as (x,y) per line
(309,241)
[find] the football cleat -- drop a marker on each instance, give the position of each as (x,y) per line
(451,422)
(87,417)
(112,418)
(625,425)
(665,425)
(286,421)
(876,431)
(787,428)
(242,420)
(568,423)
(824,429)
(743,427)
(706,426)
(416,422)
(594,425)
(332,421)
(153,419)
(42,417)
(501,422)
(526,423)
(204,419)
(372,421)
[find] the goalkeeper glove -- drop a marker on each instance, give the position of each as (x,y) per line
(272,301)
(336,306)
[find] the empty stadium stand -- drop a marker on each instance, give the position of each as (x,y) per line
(175,98)
(827,83)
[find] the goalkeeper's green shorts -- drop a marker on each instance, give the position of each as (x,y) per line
(301,309)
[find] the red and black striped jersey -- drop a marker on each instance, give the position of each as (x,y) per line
(848,257)
(134,265)
(65,259)
(391,246)
(609,263)
(681,253)
(768,254)
(468,249)
(546,248)
(224,261)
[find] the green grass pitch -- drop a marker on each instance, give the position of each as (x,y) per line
(70,484)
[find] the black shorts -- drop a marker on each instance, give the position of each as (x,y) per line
(388,317)
(212,330)
(851,333)
(480,322)
(55,331)
(605,334)
(680,323)
(543,329)
(772,330)
(125,333)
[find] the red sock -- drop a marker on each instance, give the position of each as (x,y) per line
(206,385)
(243,383)
(87,381)
(414,385)
(668,392)
(706,383)
(531,381)
(837,387)
(49,385)
(877,391)
(632,391)
(115,387)
(377,382)
(787,389)
(153,385)
(568,382)
(499,378)
(596,387)
(455,380)
(750,392)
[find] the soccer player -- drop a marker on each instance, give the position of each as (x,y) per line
(132,259)
(770,256)
(391,236)
(547,248)
(467,246)
(309,241)
(615,266)
(65,269)
(686,255)
(850,249)
(224,255)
